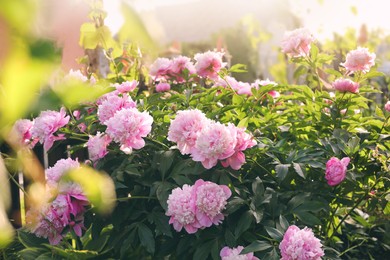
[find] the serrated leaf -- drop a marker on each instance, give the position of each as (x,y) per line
(256,246)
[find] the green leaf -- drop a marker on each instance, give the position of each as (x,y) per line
(243,224)
(243,122)
(30,240)
(256,246)
(162,224)
(146,237)
(308,218)
(238,68)
(379,112)
(203,251)
(313,52)
(298,169)
(165,161)
(281,171)
(274,233)
(32,253)
(163,191)
(283,223)
(258,186)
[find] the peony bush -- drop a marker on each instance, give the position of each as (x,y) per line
(208,167)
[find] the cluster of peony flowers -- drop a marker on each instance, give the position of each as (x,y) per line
(297,43)
(300,244)
(208,141)
(43,129)
(126,125)
(336,170)
(245,88)
(198,206)
(234,254)
(65,206)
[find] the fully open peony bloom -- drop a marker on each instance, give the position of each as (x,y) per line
(346,85)
(185,128)
(208,64)
(128,127)
(300,244)
(336,170)
(244,141)
(97,146)
(54,174)
(296,43)
(162,87)
(47,124)
(387,106)
(179,64)
(21,131)
(160,69)
(181,209)
(215,142)
(210,199)
(234,254)
(359,60)
(126,86)
(112,104)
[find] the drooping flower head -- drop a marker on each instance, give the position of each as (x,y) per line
(62,166)
(112,104)
(215,142)
(297,43)
(126,86)
(160,69)
(181,209)
(163,87)
(128,127)
(300,244)
(336,170)
(47,124)
(359,60)
(21,131)
(228,253)
(185,128)
(97,146)
(208,64)
(210,200)
(346,85)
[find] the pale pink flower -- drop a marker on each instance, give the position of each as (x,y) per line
(346,85)
(112,104)
(77,114)
(336,170)
(163,87)
(47,124)
(210,200)
(21,131)
(244,88)
(97,146)
(128,127)
(297,43)
(359,60)
(215,142)
(62,166)
(387,106)
(272,93)
(181,210)
(208,64)
(185,128)
(160,68)
(244,141)
(76,75)
(234,254)
(126,86)
(178,65)
(300,244)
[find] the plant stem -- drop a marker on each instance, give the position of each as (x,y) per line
(135,197)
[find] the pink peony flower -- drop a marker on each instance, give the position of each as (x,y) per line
(215,142)
(244,88)
(359,60)
(336,170)
(178,65)
(244,141)
(234,254)
(387,106)
(272,93)
(128,127)
(112,104)
(185,128)
(346,85)
(21,131)
(296,43)
(208,64)
(54,174)
(181,209)
(163,87)
(210,199)
(300,244)
(47,124)
(160,68)
(97,146)
(127,86)
(77,114)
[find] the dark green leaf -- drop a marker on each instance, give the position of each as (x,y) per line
(274,233)
(256,246)
(243,224)
(146,237)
